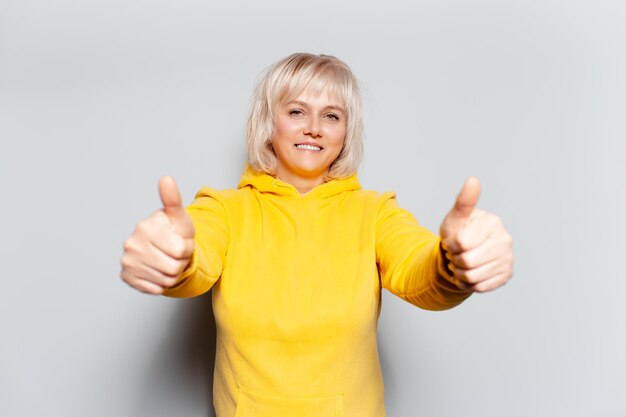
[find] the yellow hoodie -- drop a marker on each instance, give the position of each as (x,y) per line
(297,289)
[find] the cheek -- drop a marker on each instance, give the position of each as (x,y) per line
(338,136)
(285,127)
(279,128)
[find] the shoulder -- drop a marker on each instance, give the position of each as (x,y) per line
(212,203)
(371,203)
(214,193)
(229,199)
(372,197)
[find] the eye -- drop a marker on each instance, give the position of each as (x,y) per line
(333,116)
(296,112)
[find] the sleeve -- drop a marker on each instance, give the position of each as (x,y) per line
(210,220)
(411,262)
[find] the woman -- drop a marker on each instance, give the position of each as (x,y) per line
(298,254)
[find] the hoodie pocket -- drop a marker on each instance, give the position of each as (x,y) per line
(254,404)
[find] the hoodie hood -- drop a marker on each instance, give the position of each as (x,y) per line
(265,183)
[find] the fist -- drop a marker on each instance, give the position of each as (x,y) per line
(477,245)
(161,246)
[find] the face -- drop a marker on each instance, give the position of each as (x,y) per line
(308,136)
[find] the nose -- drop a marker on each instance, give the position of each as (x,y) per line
(313,128)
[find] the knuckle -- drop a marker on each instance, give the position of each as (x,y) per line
(448,245)
(154,290)
(171,268)
(462,243)
(147,287)
(465,240)
(503,281)
(168,282)
(494,220)
(188,250)
(130,244)
(465,260)
(510,260)
(178,248)
(470,276)
(145,226)
(506,263)
(126,261)
(131,281)
(455,241)
(142,226)
(485,286)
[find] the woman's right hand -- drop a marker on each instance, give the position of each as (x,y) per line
(161,246)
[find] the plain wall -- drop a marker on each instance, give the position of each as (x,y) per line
(98,99)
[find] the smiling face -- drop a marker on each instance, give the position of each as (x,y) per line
(308,136)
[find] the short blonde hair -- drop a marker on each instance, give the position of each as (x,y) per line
(285,81)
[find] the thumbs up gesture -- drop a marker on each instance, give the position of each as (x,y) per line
(477,245)
(161,246)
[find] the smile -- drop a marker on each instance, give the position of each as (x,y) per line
(308,147)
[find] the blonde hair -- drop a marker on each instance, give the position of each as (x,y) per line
(285,81)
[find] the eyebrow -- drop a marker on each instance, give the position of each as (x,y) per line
(303,104)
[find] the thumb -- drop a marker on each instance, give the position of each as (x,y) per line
(463,208)
(173,207)
(467,199)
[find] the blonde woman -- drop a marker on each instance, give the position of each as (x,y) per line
(298,254)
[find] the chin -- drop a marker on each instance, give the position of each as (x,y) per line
(312,173)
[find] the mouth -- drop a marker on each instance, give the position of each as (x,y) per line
(308,147)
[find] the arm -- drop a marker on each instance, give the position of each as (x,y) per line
(411,261)
(210,220)
(479,247)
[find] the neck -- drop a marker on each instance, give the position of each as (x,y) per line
(302,184)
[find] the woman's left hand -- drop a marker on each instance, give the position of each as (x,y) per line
(476,242)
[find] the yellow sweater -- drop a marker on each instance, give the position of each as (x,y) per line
(297,289)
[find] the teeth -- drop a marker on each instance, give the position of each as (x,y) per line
(309,147)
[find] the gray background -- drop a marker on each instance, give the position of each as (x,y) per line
(98,99)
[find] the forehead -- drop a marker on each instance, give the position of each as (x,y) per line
(324,98)
(326,95)
(325,84)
